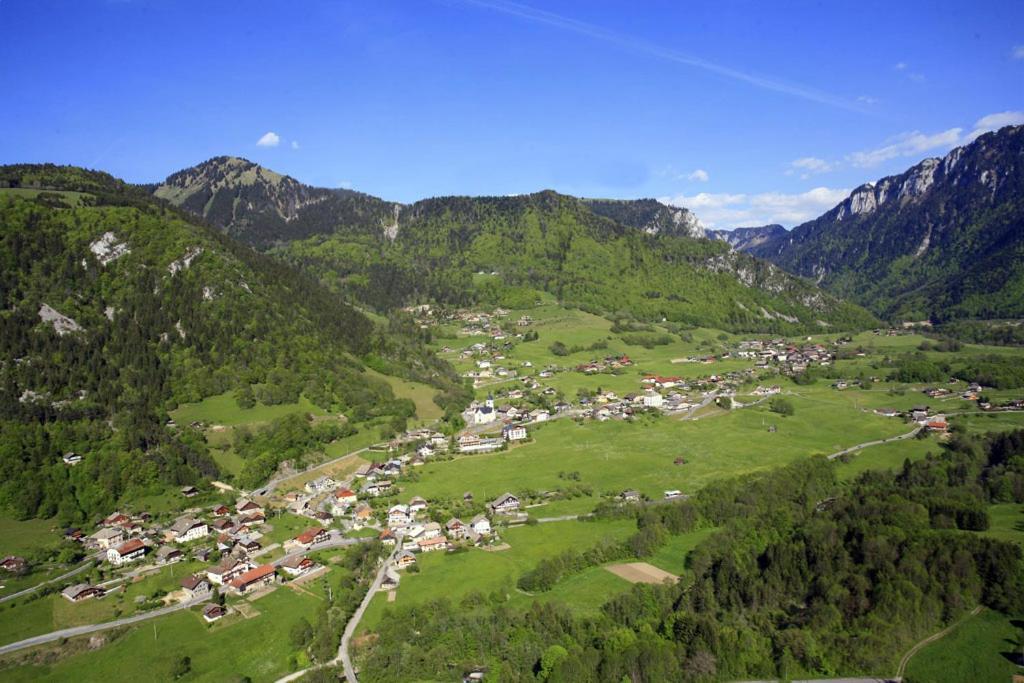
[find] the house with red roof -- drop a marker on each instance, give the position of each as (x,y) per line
(254,579)
(130,551)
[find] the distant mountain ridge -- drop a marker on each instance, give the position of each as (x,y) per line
(649,215)
(749,239)
(943,240)
(639,256)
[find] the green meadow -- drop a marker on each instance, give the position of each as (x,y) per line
(981,648)
(31,616)
(223,409)
(258,647)
(616,455)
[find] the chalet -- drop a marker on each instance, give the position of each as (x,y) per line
(630,496)
(363,512)
(427,545)
(256,517)
(212,613)
(221,525)
(514,433)
(227,571)
(14,564)
(480,525)
(390,580)
(345,497)
(398,516)
(312,536)
(405,559)
(387,537)
(248,507)
(297,565)
(320,484)
(221,511)
(376,488)
(167,554)
(116,519)
(71,459)
(456,529)
(196,586)
(254,579)
(887,412)
(937,424)
(504,504)
(130,551)
(539,415)
(430,530)
(82,591)
(247,545)
(188,529)
(417,504)
(189,491)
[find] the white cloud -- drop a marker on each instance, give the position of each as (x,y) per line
(270,139)
(907,145)
(867,99)
(724,210)
(295,144)
(995,122)
(903,67)
(808,166)
(900,66)
(1018,52)
(700,175)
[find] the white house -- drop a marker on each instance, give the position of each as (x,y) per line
(187,529)
(481,525)
(126,552)
(514,433)
(653,399)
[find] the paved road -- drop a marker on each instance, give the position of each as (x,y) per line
(274,483)
(93,628)
(353,622)
(86,564)
(877,442)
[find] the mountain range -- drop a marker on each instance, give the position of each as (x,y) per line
(942,241)
(609,256)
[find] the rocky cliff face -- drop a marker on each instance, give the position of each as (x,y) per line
(749,239)
(649,215)
(945,239)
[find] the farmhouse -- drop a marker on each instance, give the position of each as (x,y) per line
(398,516)
(427,545)
(297,565)
(345,497)
(129,551)
(14,564)
(310,537)
(405,559)
(417,504)
(254,579)
(227,571)
(514,433)
(107,538)
(82,591)
(504,504)
(456,529)
(166,554)
(248,507)
(189,491)
(187,529)
(212,613)
(196,586)
(480,525)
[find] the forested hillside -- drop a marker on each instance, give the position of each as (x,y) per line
(806,578)
(387,256)
(942,240)
(117,307)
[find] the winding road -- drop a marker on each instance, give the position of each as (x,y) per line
(877,442)
(93,628)
(86,564)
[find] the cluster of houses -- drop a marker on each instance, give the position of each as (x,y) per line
(790,358)
(418,536)
(607,364)
(487,413)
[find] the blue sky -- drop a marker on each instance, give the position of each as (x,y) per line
(746,112)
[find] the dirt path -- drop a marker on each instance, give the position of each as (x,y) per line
(931,639)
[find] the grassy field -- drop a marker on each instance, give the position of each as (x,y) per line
(672,556)
(889,456)
(979,649)
(990,422)
(20,538)
(1006,522)
(285,526)
(421,394)
(616,455)
(27,617)
(222,409)
(258,647)
(455,575)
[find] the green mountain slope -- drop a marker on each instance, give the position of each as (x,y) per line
(431,251)
(116,307)
(944,240)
